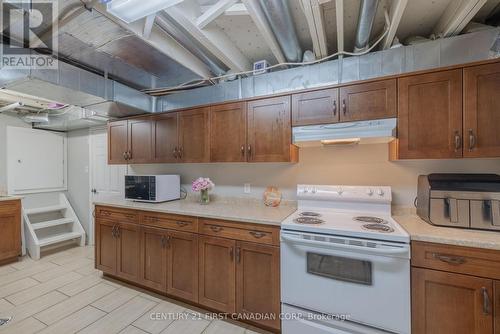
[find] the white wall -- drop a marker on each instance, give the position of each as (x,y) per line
(358,165)
(5,121)
(78,175)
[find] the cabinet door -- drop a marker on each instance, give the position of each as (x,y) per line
(430,116)
(140,140)
(217,272)
(258,281)
(318,107)
(117,142)
(10,229)
(269,130)
(165,134)
(194,135)
(228,132)
(482,111)
(105,246)
(128,251)
(451,303)
(496,310)
(373,100)
(153,272)
(183,265)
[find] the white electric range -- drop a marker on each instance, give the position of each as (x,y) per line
(345,263)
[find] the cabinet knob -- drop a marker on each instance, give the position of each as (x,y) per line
(216,228)
(258,235)
(181,224)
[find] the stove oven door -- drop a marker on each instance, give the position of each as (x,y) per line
(363,281)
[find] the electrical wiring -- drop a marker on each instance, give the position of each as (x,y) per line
(202,82)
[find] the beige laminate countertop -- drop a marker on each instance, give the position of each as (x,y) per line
(236,209)
(420,230)
(9,198)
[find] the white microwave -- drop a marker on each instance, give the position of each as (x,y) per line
(152,188)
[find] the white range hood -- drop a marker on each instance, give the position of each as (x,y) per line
(361,132)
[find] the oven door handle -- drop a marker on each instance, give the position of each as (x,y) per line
(385,251)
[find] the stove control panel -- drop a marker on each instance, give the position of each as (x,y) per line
(345,193)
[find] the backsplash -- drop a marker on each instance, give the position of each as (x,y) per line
(360,165)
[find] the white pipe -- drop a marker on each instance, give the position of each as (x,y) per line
(11,106)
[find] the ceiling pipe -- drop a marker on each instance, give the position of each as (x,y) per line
(277,13)
(178,33)
(367,12)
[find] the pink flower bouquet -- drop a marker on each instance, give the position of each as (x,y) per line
(202,183)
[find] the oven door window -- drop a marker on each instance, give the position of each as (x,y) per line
(340,268)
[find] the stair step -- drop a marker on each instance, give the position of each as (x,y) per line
(45,209)
(58,238)
(51,223)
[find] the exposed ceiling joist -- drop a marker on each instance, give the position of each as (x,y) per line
(339,13)
(260,21)
(456,16)
(396,13)
(214,12)
(315,21)
(148,25)
(162,42)
(212,38)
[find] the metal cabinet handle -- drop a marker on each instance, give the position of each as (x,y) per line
(455,260)
(249,149)
(335,108)
(163,241)
(344,107)
(114,231)
(216,228)
(231,253)
(118,231)
(167,241)
(258,235)
(458,141)
(129,155)
(238,254)
(182,224)
(472,140)
(181,150)
(486,301)
(130,216)
(242,149)
(105,213)
(175,153)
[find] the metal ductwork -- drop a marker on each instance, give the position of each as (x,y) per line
(367,12)
(277,13)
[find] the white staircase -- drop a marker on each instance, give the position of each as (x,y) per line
(51,225)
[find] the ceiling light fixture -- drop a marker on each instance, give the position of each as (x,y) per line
(346,141)
(133,10)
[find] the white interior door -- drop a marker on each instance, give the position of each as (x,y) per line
(105,180)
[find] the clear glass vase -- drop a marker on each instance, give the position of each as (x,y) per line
(204,196)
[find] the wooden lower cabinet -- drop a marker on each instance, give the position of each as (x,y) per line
(10,230)
(182,265)
(496,303)
(153,260)
(258,282)
(217,274)
(128,251)
(225,274)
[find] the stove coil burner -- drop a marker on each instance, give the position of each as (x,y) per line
(309,214)
(308,221)
(378,228)
(370,219)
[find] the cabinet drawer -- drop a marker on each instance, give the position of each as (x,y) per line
(10,206)
(464,260)
(122,215)
(173,222)
(240,231)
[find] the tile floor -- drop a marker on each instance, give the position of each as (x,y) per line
(63,293)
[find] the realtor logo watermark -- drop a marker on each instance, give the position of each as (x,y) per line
(29,29)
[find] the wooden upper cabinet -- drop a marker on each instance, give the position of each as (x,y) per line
(217,274)
(430,116)
(451,303)
(482,111)
(194,143)
(258,281)
(10,230)
(366,101)
(270,131)
(153,262)
(140,140)
(317,107)
(228,132)
(117,142)
(165,137)
(182,272)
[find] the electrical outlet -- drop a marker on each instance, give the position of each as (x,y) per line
(246,188)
